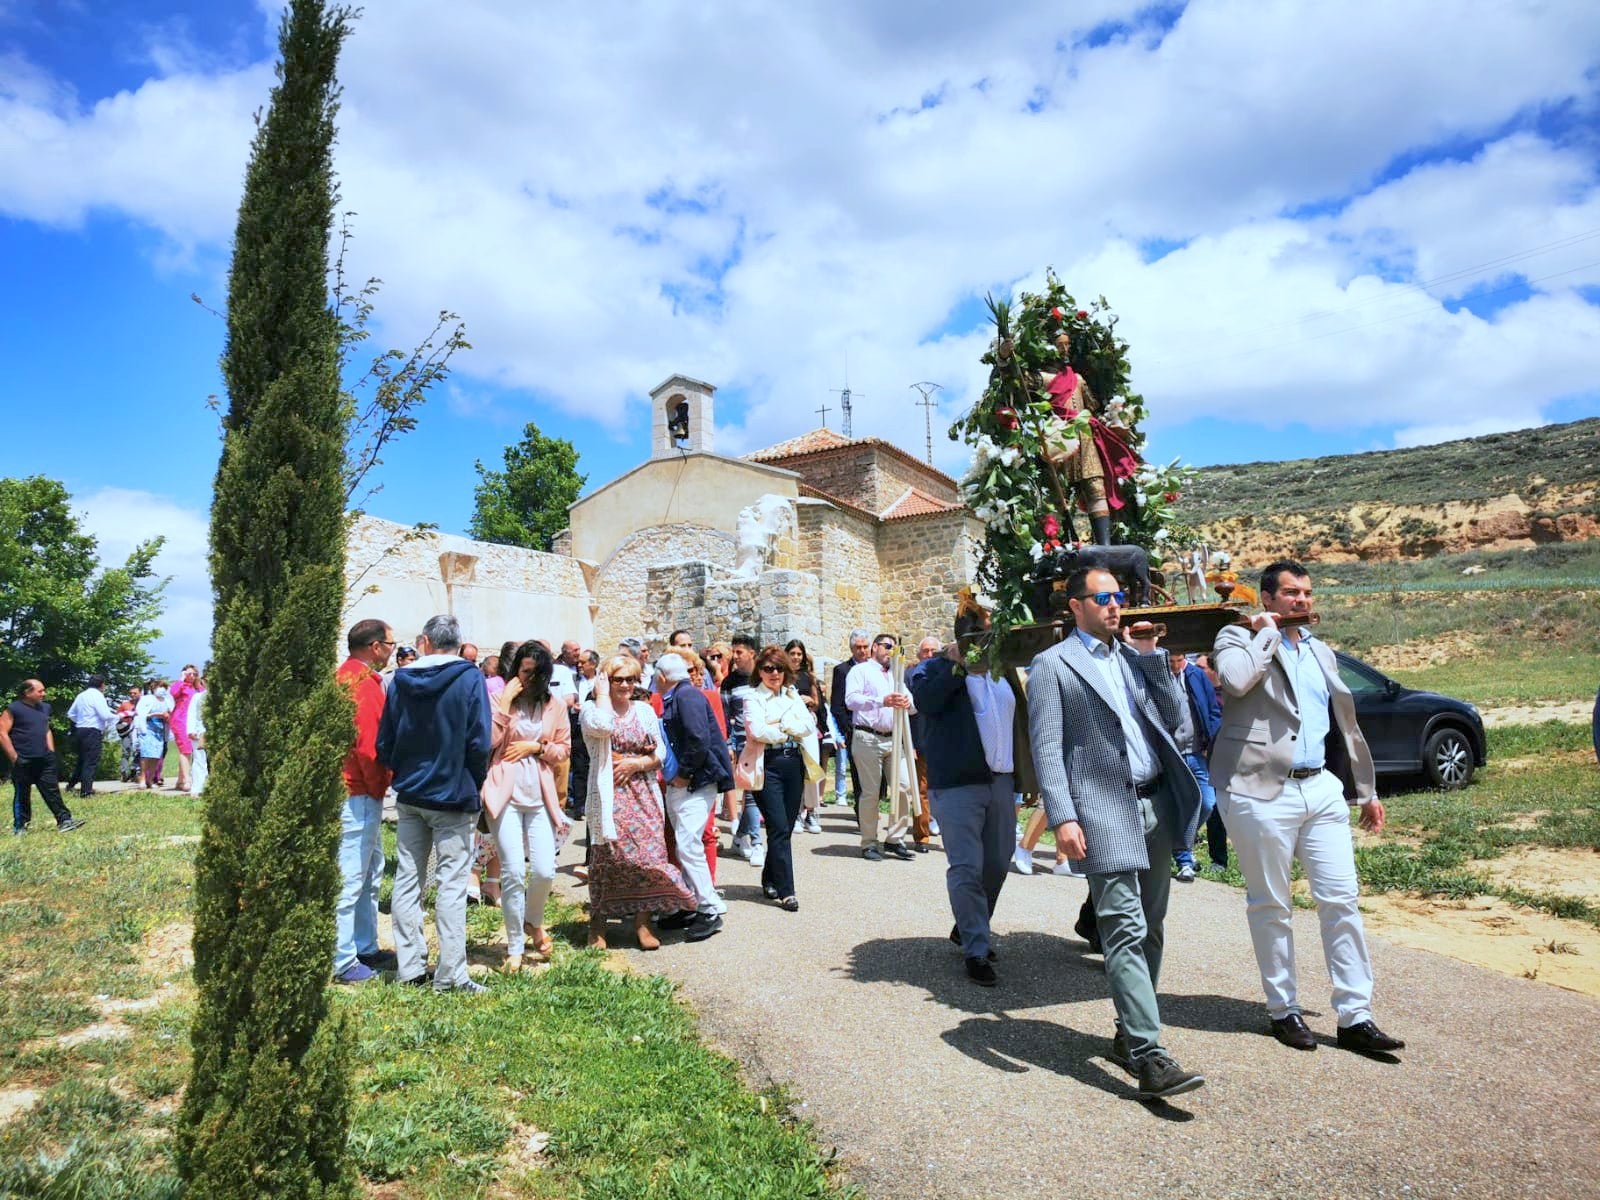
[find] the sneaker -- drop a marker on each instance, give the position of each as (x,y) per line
(811,824)
(740,847)
(872,854)
(1022,860)
(1065,867)
(1217,869)
(1160,1076)
(19,831)
(758,855)
(470,988)
(933,827)
(900,850)
(357,972)
(1186,873)
(1119,1051)
(702,927)
(70,824)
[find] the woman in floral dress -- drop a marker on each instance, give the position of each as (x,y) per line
(630,873)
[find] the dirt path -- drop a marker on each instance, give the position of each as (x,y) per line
(932,1087)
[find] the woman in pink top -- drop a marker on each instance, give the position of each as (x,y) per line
(183,691)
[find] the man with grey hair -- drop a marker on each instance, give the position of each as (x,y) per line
(435,736)
(704,770)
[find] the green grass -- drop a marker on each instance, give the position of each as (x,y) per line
(608,1065)
(1535,678)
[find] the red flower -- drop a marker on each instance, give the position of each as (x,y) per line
(1052,525)
(1059,314)
(1007,418)
(1082,316)
(1173,497)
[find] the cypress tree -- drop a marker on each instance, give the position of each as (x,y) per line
(267,1109)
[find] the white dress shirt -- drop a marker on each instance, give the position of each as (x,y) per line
(90,711)
(994,706)
(1141,755)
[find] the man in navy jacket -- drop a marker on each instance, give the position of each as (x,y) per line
(705,771)
(967,744)
(1202,718)
(435,736)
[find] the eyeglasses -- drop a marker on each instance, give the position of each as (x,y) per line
(884,645)
(1105,598)
(774,668)
(713,658)
(624,679)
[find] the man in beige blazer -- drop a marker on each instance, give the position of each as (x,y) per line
(1287,764)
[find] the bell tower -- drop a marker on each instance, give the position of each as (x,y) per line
(682,417)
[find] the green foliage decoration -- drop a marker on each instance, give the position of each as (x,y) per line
(63,617)
(526,503)
(267,1109)
(1009,484)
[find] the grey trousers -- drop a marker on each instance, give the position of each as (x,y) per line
(420,831)
(1130,907)
(979,829)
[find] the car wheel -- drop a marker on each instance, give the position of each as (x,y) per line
(1448,759)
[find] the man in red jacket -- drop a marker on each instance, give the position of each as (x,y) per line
(356,957)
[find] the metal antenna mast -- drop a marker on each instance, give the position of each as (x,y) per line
(844,396)
(927,405)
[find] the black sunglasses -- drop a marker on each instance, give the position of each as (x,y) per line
(1104,598)
(765,667)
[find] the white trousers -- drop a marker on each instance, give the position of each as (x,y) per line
(1309,821)
(527,846)
(688,811)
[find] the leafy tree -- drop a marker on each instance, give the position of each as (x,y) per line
(526,504)
(267,1110)
(62,617)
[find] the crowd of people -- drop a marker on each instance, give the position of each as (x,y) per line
(491,765)
(150,719)
(489,762)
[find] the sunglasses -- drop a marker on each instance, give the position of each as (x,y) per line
(1104,598)
(713,658)
(774,668)
(625,679)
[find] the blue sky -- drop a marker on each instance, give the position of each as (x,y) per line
(1325,228)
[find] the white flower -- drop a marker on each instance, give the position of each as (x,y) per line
(1162,535)
(1140,498)
(1009,456)
(1036,551)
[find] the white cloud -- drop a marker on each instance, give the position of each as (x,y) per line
(752,193)
(120,519)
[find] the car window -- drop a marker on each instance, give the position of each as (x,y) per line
(1358,677)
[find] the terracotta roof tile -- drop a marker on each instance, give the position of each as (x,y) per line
(806,443)
(917,503)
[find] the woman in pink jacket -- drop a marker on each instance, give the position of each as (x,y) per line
(531,734)
(183,692)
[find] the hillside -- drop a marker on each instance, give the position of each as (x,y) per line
(1502,491)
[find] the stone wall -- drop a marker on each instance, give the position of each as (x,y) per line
(893,475)
(922,563)
(840,549)
(849,476)
(621,583)
(402,576)
(713,605)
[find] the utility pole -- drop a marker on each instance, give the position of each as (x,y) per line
(927,405)
(824,410)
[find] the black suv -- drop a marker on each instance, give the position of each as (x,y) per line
(1411,732)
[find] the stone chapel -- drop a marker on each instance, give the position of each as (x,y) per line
(809,538)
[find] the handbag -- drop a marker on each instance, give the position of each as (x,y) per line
(669,760)
(750,772)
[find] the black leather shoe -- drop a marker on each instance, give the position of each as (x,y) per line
(898,849)
(1160,1076)
(981,973)
(383,960)
(1119,1051)
(702,927)
(1293,1032)
(1089,931)
(872,854)
(955,936)
(677,920)
(1367,1038)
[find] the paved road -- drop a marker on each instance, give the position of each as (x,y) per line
(932,1087)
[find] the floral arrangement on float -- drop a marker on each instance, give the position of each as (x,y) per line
(1056,444)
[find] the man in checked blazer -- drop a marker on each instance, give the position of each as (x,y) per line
(1287,764)
(1119,796)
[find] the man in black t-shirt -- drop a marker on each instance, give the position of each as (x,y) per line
(26,739)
